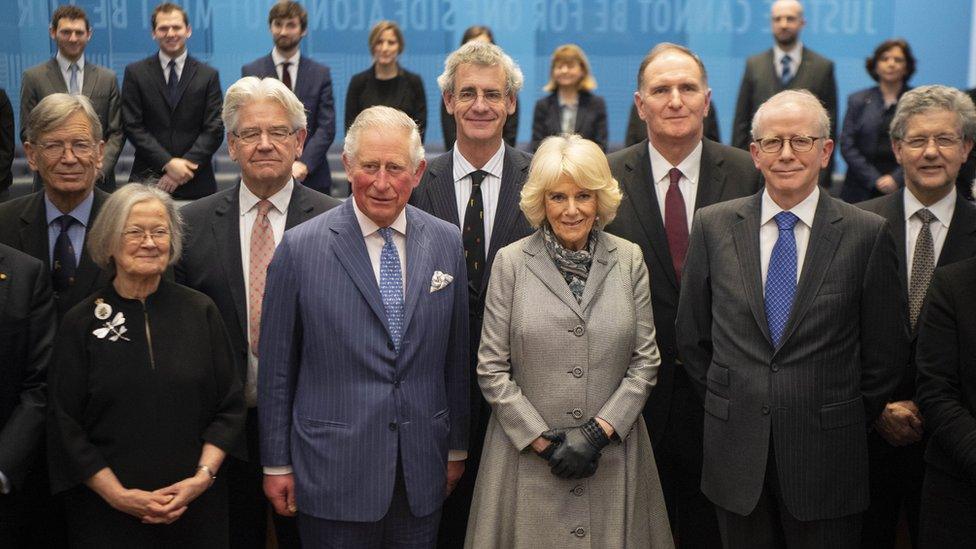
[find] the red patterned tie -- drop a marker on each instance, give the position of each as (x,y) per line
(262,248)
(676,222)
(286,74)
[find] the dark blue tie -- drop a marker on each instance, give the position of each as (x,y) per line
(787,73)
(172,83)
(781,277)
(65,264)
(391,286)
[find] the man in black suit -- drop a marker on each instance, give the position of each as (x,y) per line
(6,145)
(788,65)
(230,238)
(476,186)
(171,111)
(932,134)
(26,334)
(672,99)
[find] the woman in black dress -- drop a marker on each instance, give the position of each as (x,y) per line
(144,399)
(386,82)
(571,107)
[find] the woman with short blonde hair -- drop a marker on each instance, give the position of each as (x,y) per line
(571,106)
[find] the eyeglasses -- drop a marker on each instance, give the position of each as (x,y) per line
(250,136)
(798,143)
(941,141)
(53,150)
(468,96)
(135,235)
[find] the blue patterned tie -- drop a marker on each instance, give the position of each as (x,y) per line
(781,277)
(787,73)
(391,286)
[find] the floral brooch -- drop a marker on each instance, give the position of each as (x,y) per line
(115,327)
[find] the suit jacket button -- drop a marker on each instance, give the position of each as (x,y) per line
(577,372)
(765,410)
(577,413)
(578,330)
(393,426)
(774,367)
(389,345)
(396,384)
(579,532)
(578,490)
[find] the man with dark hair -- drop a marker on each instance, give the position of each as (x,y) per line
(70,72)
(171,111)
(311,82)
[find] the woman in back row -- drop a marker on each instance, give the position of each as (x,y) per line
(572,107)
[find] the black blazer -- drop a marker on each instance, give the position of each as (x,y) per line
(407,95)
(26,335)
(6,143)
(946,357)
(637,129)
(23,226)
(726,173)
(449,127)
(211,260)
(591,119)
(862,131)
(189,129)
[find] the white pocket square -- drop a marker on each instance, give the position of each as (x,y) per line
(439,281)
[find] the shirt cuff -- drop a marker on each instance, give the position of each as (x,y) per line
(4,484)
(279,470)
(457,455)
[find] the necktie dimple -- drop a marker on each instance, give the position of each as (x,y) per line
(391,286)
(73,80)
(676,222)
(286,74)
(261,252)
(65,264)
(787,73)
(173,82)
(781,277)
(923,263)
(473,232)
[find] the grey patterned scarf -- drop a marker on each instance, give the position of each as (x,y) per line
(573,265)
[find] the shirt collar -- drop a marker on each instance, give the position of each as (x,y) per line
(64,62)
(81,213)
(942,209)
(796,55)
(805,210)
(690,167)
(368,226)
(180,59)
(279,59)
(462,168)
(279,200)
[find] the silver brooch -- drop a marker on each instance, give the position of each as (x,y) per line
(102,310)
(116,327)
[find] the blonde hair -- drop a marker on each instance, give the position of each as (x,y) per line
(582,161)
(570,53)
(381,27)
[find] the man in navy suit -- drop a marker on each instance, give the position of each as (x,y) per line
(363,385)
(310,81)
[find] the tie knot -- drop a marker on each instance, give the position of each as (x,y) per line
(285,64)
(477,177)
(387,234)
(674,174)
(172,64)
(786,60)
(65,221)
(925,216)
(264,206)
(786,220)
(73,67)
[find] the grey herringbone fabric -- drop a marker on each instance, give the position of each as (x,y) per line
(923,263)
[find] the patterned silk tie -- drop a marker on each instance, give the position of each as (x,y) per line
(65,264)
(391,286)
(172,83)
(286,74)
(787,74)
(262,249)
(676,222)
(73,81)
(781,277)
(473,232)
(923,263)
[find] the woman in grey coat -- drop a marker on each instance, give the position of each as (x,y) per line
(567,360)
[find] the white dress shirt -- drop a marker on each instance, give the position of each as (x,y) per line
(769,231)
(180,61)
(796,55)
(278,59)
(65,66)
(490,187)
(942,209)
(277,216)
(690,170)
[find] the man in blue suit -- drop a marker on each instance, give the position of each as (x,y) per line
(310,81)
(363,386)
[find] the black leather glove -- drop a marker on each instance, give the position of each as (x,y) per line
(578,452)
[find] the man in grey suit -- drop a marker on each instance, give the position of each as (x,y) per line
(792,322)
(788,65)
(363,385)
(479,179)
(933,225)
(70,72)
(673,99)
(225,255)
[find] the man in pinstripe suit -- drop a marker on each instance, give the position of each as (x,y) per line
(363,385)
(792,321)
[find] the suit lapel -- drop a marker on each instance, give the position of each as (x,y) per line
(745,235)
(33,230)
(91,77)
(553,116)
(545,270)
(894,212)
(54,77)
(189,69)
(227,235)
(443,200)
(299,207)
(604,259)
(960,241)
(351,253)
(302,81)
(153,66)
(639,189)
(711,177)
(507,210)
(418,265)
(268,68)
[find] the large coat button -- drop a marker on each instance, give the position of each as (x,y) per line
(578,490)
(577,413)
(578,331)
(579,532)
(577,372)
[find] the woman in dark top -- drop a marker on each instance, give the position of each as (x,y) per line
(571,107)
(386,82)
(144,399)
(449,125)
(864,141)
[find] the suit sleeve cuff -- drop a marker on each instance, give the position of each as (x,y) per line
(279,470)
(457,455)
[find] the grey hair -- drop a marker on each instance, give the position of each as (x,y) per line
(386,119)
(934,98)
(484,54)
(801,97)
(105,235)
(252,88)
(52,111)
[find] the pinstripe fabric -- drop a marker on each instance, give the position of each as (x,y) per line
(842,348)
(336,401)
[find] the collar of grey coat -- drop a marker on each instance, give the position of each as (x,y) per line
(542,266)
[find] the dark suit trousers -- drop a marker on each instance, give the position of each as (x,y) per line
(896,483)
(399,529)
(770,525)
(678,454)
(246,503)
(32,517)
(948,512)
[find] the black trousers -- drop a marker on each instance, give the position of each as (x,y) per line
(31,517)
(896,484)
(948,512)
